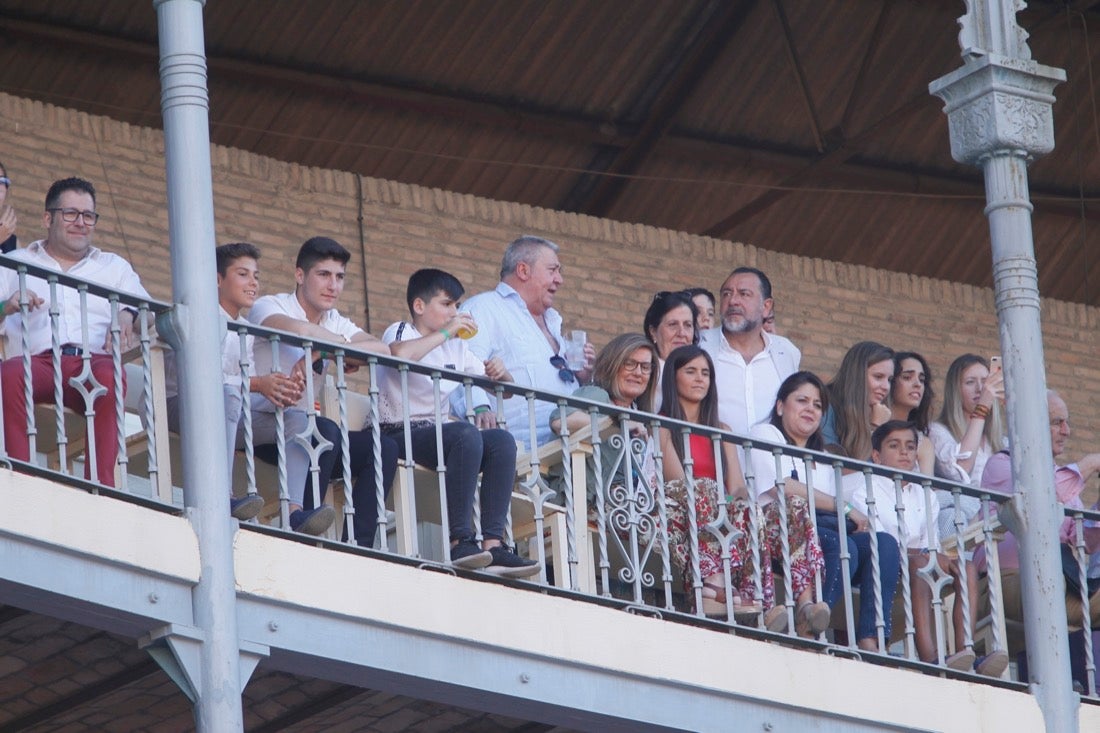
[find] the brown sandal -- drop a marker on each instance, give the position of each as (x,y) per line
(810,619)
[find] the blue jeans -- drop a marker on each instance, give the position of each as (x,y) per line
(859,569)
(468,451)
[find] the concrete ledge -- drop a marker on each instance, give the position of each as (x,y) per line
(370,599)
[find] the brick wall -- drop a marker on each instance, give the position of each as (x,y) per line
(611,268)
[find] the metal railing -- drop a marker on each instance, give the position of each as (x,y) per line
(598,495)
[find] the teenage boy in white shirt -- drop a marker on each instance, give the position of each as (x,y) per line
(310,312)
(436,337)
(238,287)
(894,445)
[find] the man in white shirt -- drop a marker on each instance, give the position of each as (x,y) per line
(749,363)
(517,322)
(310,312)
(70,219)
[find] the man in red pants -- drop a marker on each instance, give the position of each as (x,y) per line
(70,219)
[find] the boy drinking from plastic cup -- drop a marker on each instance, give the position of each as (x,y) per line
(435,336)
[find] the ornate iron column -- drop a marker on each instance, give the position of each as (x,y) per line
(998,108)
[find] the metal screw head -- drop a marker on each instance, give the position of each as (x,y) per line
(153,598)
(273,625)
(525,678)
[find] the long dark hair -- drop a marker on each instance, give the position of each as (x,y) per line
(790,385)
(670,397)
(921,415)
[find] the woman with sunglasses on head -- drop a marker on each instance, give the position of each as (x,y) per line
(968,431)
(670,322)
(910,400)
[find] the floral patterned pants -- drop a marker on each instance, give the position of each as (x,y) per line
(805,551)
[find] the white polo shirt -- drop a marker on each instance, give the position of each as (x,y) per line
(286,304)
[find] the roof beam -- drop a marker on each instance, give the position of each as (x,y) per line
(549,123)
(839,154)
(658,105)
(800,76)
(403,96)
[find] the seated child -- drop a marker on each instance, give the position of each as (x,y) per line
(894,444)
(238,285)
(435,337)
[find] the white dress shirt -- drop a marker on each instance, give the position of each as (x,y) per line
(102,268)
(920,533)
(507,329)
(746,392)
(763,466)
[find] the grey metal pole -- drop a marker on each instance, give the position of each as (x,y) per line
(999,112)
(198,328)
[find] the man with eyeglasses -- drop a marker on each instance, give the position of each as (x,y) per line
(70,219)
(750,363)
(8,241)
(517,322)
(1069,485)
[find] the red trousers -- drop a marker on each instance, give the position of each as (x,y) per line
(15,406)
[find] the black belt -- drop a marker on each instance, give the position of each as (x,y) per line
(71,350)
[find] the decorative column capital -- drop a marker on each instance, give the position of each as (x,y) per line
(999,104)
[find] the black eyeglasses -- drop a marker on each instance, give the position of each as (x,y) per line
(70,215)
(565,374)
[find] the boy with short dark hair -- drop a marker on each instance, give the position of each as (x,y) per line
(437,337)
(310,312)
(894,445)
(238,286)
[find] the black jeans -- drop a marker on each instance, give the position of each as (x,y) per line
(468,451)
(363,493)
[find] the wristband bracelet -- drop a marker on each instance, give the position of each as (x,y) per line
(446,334)
(481,409)
(847,509)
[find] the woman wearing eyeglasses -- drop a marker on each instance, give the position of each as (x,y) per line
(625,375)
(670,323)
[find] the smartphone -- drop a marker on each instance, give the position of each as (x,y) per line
(994,363)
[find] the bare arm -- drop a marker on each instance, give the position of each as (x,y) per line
(735,477)
(417,348)
(975,426)
(305,329)
(1089,464)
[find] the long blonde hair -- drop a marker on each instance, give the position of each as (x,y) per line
(952,414)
